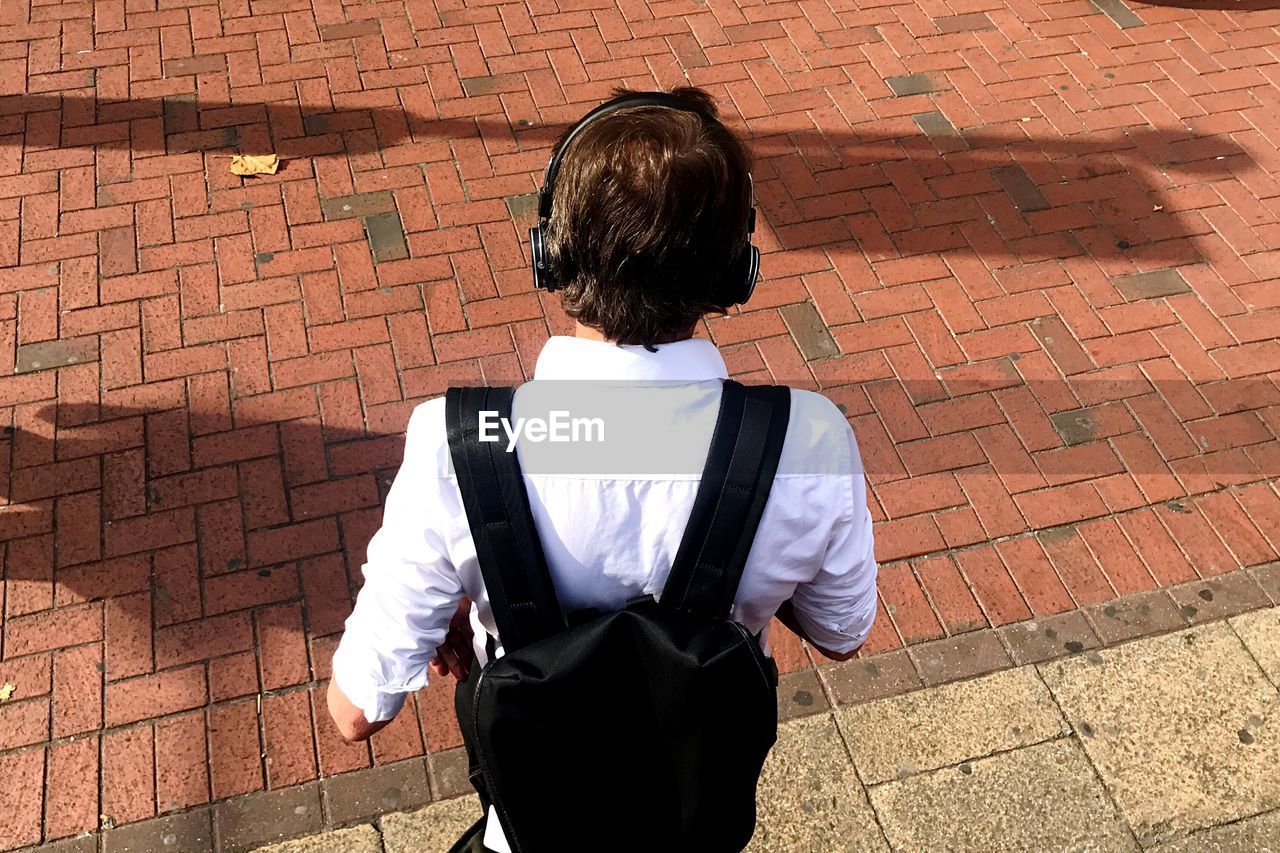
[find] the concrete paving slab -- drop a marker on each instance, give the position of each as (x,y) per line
(1268,577)
(1219,597)
(800,695)
(1042,797)
(1260,633)
(1184,729)
(186,831)
(860,680)
(365,794)
(1258,834)
(357,839)
(1139,615)
(956,658)
(810,800)
(434,828)
(902,735)
(1048,637)
(244,823)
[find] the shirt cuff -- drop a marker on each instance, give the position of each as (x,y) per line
(356,683)
(835,637)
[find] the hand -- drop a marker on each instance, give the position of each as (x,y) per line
(455,655)
(349,719)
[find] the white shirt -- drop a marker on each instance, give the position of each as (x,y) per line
(611,537)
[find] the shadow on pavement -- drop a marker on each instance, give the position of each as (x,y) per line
(921,187)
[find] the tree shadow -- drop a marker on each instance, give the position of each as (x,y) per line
(245,498)
(921,188)
(216,560)
(238,502)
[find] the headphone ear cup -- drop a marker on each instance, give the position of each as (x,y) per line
(542,277)
(750,274)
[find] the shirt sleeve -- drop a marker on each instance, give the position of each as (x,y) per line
(411,589)
(837,607)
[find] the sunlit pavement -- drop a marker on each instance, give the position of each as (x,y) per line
(1032,249)
(1165,743)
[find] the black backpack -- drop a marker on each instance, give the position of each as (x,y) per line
(639,730)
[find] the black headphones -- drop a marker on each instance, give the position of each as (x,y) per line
(741,285)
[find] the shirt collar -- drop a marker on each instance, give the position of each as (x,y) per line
(692,360)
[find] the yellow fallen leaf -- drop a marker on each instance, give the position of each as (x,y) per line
(254,164)
(6,691)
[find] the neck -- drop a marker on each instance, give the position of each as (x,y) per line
(588,333)
(592,334)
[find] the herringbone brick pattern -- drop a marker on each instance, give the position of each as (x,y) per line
(1033,249)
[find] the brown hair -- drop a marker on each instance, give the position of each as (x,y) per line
(649,220)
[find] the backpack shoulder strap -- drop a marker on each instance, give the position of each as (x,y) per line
(514,568)
(743,459)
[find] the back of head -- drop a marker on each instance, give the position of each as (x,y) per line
(649,219)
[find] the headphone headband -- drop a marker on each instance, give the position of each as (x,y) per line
(622,102)
(543,278)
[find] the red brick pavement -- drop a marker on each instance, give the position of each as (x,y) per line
(1032,249)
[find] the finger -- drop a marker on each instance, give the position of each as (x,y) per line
(463,664)
(462,647)
(451,661)
(466,653)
